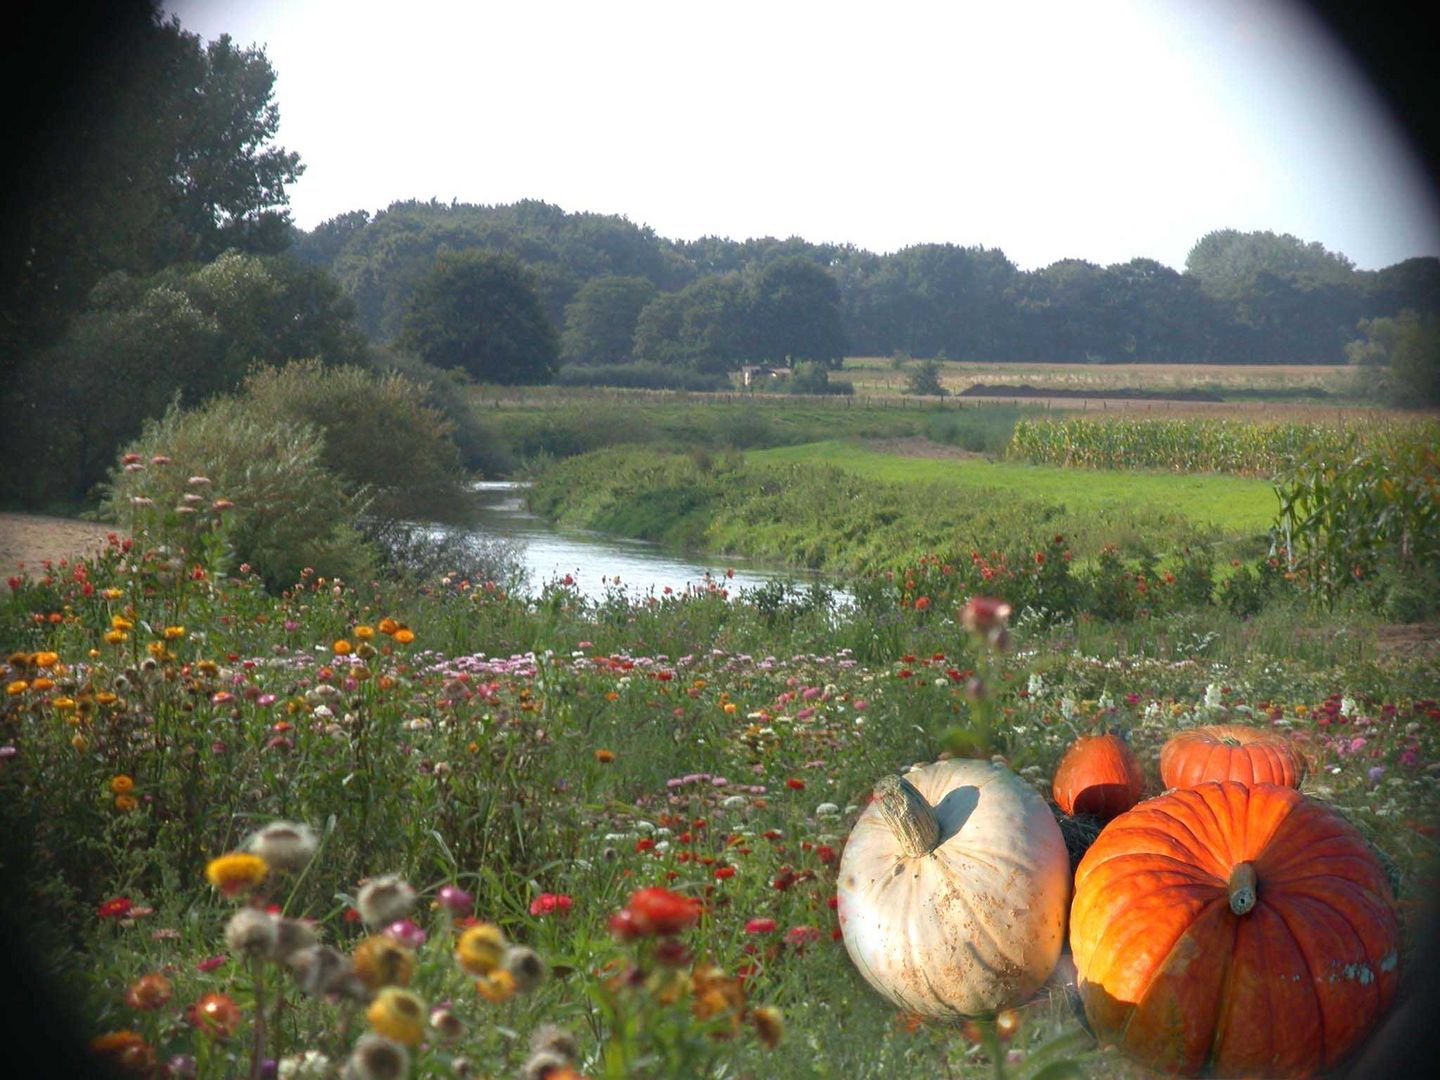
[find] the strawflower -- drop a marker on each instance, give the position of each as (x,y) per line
(235,872)
(377,1058)
(384,899)
(481,948)
(284,845)
(216,1015)
(149,992)
(399,1015)
(125,1050)
(383,961)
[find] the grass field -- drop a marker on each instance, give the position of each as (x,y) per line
(1233,504)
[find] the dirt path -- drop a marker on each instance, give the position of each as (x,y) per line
(27,540)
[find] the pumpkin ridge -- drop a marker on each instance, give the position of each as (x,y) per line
(1309,972)
(955,880)
(1201,848)
(1159,968)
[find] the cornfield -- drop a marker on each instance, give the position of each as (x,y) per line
(1197,445)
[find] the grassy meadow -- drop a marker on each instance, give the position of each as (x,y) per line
(252,832)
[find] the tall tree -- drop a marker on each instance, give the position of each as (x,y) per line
(600,321)
(796,311)
(152,148)
(478,310)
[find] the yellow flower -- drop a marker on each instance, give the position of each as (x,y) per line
(496,987)
(397,1014)
(364,633)
(236,871)
(115,637)
(126,803)
(342,648)
(119,622)
(121,784)
(481,948)
(19,686)
(158,650)
(43,684)
(79,742)
(383,961)
(388,626)
(404,635)
(63,704)
(112,593)
(46,659)
(171,633)
(1301,710)
(105,697)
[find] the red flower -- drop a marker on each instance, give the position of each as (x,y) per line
(657,910)
(800,936)
(795,783)
(760,926)
(723,872)
(921,603)
(551,904)
(826,853)
(116,908)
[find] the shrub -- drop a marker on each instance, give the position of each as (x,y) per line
(289,511)
(379,434)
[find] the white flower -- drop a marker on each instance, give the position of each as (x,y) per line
(311,1065)
(1036,686)
(1348,706)
(734,802)
(827,809)
(385,899)
(1213,697)
(1067,708)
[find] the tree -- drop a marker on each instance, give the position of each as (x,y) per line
(924,380)
(796,306)
(706,326)
(152,148)
(1228,262)
(478,310)
(1409,346)
(600,321)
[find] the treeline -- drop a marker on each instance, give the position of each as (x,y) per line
(616,292)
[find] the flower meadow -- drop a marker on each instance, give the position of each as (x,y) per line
(359,829)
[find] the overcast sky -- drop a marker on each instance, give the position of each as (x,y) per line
(1101,130)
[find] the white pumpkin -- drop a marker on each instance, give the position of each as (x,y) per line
(953,889)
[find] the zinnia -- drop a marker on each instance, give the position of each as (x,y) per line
(657,910)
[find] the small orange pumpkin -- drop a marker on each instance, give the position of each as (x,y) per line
(1246,929)
(1229,752)
(1098,775)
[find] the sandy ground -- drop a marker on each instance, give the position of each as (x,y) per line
(26,540)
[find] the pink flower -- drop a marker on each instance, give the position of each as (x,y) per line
(210,964)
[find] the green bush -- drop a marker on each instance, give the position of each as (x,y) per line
(226,478)
(379,434)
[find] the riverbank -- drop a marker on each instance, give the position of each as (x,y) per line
(28,540)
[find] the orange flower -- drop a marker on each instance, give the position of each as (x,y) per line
(496,987)
(388,626)
(342,648)
(149,991)
(46,659)
(364,633)
(126,803)
(121,785)
(216,1015)
(604,756)
(404,635)
(126,1050)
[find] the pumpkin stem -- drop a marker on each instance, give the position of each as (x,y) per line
(1241,888)
(908,815)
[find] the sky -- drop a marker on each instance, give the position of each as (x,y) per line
(1103,130)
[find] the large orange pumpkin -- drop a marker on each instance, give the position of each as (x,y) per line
(1249,930)
(1229,752)
(1098,775)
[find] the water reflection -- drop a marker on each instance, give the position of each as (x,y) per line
(599,563)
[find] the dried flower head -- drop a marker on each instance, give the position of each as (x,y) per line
(384,899)
(376,1058)
(542,1064)
(525,967)
(292,936)
(319,969)
(311,1065)
(284,845)
(252,932)
(556,1039)
(446,1024)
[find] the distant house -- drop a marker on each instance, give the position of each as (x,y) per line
(754,372)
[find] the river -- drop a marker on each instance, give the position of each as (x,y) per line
(599,563)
